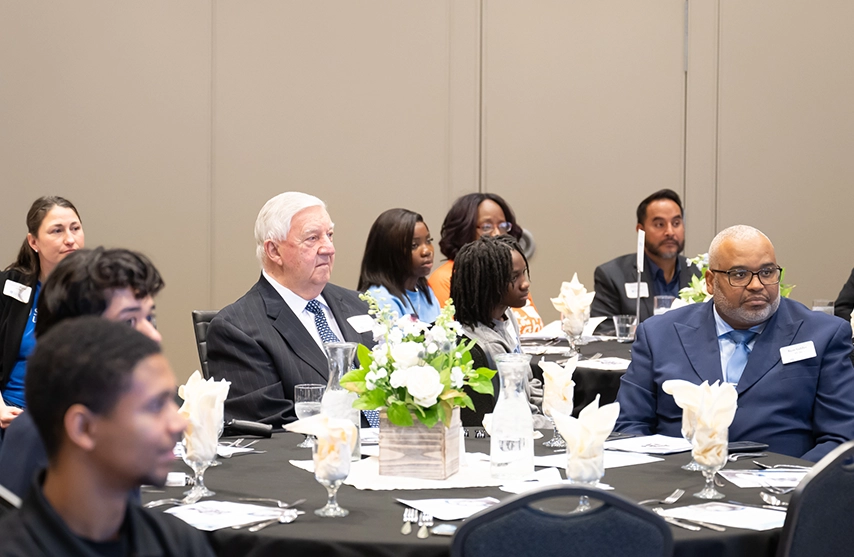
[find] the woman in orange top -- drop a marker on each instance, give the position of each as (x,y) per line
(470,217)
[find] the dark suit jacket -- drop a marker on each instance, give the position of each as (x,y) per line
(802,409)
(21,455)
(259,345)
(845,302)
(609,283)
(13,321)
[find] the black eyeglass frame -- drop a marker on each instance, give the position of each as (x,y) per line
(752,274)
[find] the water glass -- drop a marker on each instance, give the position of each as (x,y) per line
(331,468)
(661,304)
(625,326)
(587,470)
(307,397)
(824,306)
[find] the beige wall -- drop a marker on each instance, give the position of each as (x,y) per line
(169,124)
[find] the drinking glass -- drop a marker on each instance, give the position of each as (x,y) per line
(586,469)
(331,467)
(573,326)
(307,398)
(824,306)
(198,465)
(689,422)
(624,326)
(661,304)
(710,461)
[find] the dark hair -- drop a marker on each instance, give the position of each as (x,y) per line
(461,221)
(88,361)
(388,254)
(482,272)
(660,194)
(80,284)
(27,262)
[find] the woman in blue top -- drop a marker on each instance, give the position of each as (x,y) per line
(398,258)
(54,230)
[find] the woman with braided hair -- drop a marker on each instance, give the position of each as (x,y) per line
(490,277)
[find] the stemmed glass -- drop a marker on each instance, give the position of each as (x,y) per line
(557,441)
(307,397)
(710,453)
(331,467)
(585,470)
(689,422)
(199,464)
(573,326)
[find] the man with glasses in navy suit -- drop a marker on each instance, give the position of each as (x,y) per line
(790,365)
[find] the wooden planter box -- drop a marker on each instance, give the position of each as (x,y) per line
(419,452)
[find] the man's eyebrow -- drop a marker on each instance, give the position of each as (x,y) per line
(130,309)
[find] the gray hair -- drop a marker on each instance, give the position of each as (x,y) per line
(274,219)
(738,232)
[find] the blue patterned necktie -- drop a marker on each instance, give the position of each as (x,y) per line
(326,335)
(736,364)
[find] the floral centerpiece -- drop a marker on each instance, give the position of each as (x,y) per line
(696,289)
(415,370)
(416,375)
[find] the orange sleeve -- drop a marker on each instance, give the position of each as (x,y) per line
(440,282)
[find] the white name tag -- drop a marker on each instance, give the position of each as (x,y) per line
(361,323)
(632,290)
(797,352)
(18,291)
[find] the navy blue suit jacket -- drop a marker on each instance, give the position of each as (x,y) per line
(802,409)
(263,348)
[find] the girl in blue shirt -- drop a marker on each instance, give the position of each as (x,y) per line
(398,258)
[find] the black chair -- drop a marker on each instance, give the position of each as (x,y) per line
(613,527)
(201,321)
(8,501)
(821,509)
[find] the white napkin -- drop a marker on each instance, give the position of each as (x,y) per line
(203,408)
(715,413)
(333,435)
(687,397)
(573,302)
(558,386)
(585,438)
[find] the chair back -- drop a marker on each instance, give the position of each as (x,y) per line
(821,509)
(201,321)
(615,528)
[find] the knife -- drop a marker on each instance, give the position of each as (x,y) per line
(675,522)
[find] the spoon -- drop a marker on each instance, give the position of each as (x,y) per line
(284,518)
(772,500)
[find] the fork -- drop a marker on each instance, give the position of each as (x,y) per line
(410,515)
(735,456)
(280,504)
(659,511)
(781,466)
(669,500)
(425,521)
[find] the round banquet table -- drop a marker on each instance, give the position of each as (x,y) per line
(373,526)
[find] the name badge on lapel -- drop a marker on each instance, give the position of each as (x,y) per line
(797,352)
(18,291)
(632,290)
(361,323)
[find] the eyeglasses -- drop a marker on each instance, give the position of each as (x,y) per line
(742,277)
(488,227)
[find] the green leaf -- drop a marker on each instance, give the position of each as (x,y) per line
(430,416)
(398,414)
(364,355)
(482,385)
(466,401)
(370,400)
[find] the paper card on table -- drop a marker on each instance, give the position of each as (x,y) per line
(613,459)
(735,516)
(549,332)
(226,451)
(540,349)
(763,478)
(650,444)
(213,515)
(542,478)
(450,509)
(591,325)
(605,364)
(369,436)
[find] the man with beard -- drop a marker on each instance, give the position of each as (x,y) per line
(790,365)
(665,272)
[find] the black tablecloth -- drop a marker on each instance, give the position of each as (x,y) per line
(590,382)
(373,526)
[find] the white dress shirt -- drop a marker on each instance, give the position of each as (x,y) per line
(297,304)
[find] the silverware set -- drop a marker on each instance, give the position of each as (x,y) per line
(669,500)
(693,525)
(410,515)
(425,522)
(734,457)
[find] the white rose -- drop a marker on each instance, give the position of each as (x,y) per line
(407,354)
(380,354)
(398,378)
(457,377)
(371,380)
(424,385)
(432,348)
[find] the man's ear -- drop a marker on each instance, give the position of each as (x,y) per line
(80,426)
(638,227)
(271,250)
(710,282)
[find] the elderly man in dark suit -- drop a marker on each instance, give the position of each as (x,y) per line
(665,272)
(271,339)
(790,365)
